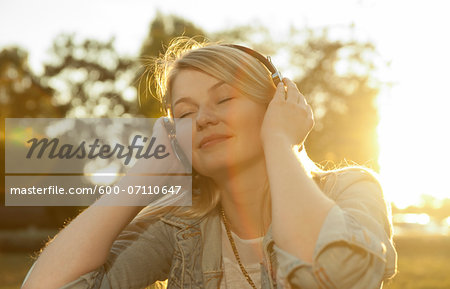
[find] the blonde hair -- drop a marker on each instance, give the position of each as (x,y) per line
(236,68)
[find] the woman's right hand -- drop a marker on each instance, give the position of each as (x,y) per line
(179,148)
(157,171)
(167,163)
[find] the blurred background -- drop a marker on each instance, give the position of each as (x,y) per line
(375,73)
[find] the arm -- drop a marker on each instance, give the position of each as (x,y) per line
(87,245)
(337,241)
(138,257)
(354,248)
(81,247)
(297,202)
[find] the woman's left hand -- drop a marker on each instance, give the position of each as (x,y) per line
(288,117)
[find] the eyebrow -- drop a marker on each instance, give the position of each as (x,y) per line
(213,87)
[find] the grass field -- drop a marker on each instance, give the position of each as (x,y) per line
(424,263)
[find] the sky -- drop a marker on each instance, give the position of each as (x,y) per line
(411,35)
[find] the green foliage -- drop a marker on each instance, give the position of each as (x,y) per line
(22,94)
(90,78)
(343,101)
(163,29)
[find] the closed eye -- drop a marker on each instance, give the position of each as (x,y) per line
(186,114)
(226,99)
(222,101)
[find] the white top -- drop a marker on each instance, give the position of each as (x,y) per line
(251,254)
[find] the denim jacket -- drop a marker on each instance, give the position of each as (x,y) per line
(354,248)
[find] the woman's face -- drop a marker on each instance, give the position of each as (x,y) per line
(231,121)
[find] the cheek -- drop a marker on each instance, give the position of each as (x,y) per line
(253,121)
(249,130)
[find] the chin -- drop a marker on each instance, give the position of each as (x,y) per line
(213,166)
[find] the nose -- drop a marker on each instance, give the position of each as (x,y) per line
(205,117)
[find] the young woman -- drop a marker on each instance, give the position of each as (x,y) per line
(262,215)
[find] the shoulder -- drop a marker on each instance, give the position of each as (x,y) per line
(337,182)
(358,190)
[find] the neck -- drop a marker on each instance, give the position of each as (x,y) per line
(242,198)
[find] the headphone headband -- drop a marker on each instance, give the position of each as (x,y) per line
(266,61)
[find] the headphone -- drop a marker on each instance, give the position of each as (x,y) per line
(169,124)
(266,61)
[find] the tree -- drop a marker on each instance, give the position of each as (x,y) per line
(22,95)
(91,78)
(162,30)
(21,92)
(84,79)
(338,83)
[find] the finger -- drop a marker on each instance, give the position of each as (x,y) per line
(293,94)
(158,128)
(158,122)
(280,92)
(302,99)
(310,117)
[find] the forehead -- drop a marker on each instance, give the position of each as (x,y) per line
(189,82)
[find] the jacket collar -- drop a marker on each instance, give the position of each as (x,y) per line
(206,222)
(211,240)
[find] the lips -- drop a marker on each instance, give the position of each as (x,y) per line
(213,139)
